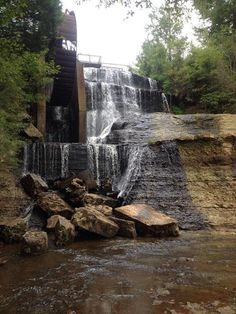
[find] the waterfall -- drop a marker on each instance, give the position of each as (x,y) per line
(104,162)
(112,96)
(54,160)
(115,98)
(64,159)
(166,106)
(122,128)
(132,171)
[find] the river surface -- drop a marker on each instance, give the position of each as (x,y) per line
(194,273)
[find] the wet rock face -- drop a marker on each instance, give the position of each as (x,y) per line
(95,199)
(34,242)
(93,221)
(157,177)
(53,204)
(63,229)
(12,229)
(33,184)
(147,220)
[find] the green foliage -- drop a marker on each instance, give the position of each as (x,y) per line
(204,77)
(130,5)
(37,73)
(221,14)
(11,106)
(26,29)
(32,22)
(162,56)
(153,61)
(177,110)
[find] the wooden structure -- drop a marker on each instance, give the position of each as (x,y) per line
(68,94)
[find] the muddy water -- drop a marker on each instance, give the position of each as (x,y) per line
(195,273)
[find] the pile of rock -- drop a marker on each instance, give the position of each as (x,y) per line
(69,211)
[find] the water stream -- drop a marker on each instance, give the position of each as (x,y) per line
(192,274)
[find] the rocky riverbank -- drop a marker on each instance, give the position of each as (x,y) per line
(66,211)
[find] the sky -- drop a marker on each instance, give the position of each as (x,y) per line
(107,32)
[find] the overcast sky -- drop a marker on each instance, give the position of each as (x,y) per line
(106,31)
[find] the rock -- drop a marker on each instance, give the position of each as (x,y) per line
(147,220)
(61,184)
(33,184)
(53,204)
(104,209)
(12,229)
(33,133)
(126,228)
(63,228)
(93,221)
(36,218)
(25,117)
(97,199)
(34,242)
(74,190)
(106,186)
(88,178)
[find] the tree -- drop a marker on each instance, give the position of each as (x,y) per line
(221,14)
(162,55)
(23,39)
(166,25)
(33,23)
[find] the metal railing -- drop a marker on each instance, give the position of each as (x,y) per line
(86,58)
(95,59)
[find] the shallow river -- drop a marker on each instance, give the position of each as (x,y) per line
(194,273)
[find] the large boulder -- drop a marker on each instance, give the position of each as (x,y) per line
(74,190)
(93,221)
(53,204)
(148,221)
(126,228)
(33,184)
(12,229)
(34,242)
(63,229)
(104,209)
(97,199)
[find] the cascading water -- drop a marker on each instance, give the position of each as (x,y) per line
(112,96)
(122,121)
(54,160)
